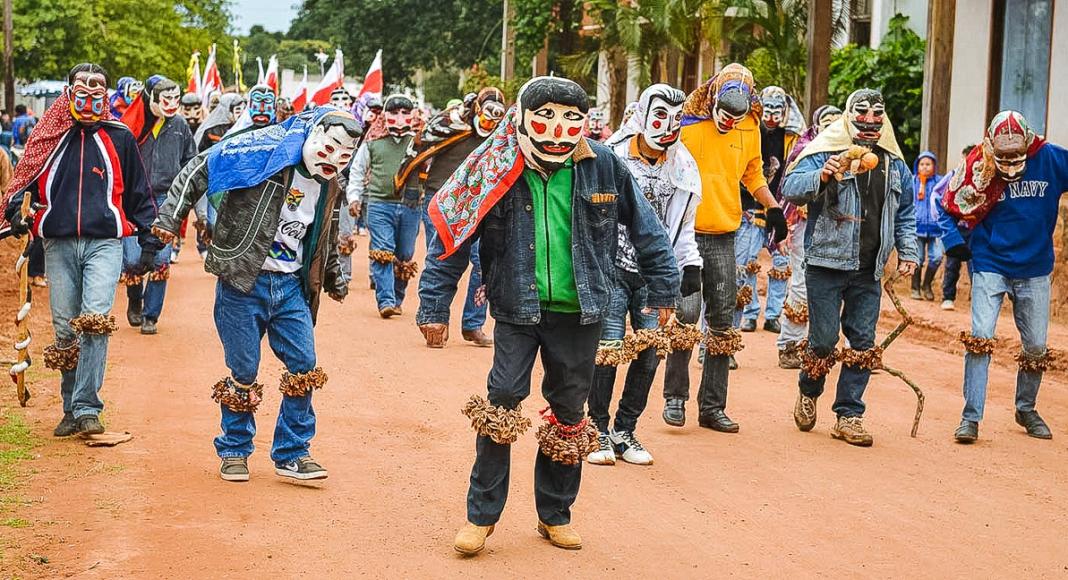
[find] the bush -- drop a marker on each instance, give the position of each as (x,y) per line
(896,69)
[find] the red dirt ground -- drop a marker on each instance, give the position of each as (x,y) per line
(767,502)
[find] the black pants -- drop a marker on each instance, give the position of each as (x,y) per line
(568,351)
(37,259)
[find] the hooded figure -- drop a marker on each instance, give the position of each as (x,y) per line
(219,121)
(126,91)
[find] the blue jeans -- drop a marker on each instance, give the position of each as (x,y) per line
(848,300)
(794,332)
(748,242)
(931,247)
(1030,309)
(474,314)
(82,275)
(151,292)
(276,306)
(394,228)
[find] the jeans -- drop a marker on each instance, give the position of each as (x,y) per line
(151,292)
(394,227)
(797,293)
(1030,309)
(628,297)
(568,351)
(720,293)
(931,247)
(276,306)
(474,314)
(82,273)
(848,300)
(952,273)
(749,240)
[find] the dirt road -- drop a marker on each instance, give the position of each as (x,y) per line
(768,501)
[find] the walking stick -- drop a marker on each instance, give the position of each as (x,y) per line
(906,320)
(22,318)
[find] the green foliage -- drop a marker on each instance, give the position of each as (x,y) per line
(896,69)
(440,85)
(769,37)
(533,22)
(477,77)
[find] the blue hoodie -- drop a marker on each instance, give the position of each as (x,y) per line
(1015,239)
(926,208)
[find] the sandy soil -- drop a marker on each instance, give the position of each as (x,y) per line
(769,501)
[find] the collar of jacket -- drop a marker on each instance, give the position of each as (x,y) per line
(583,151)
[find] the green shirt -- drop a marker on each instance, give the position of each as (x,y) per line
(386,156)
(553,269)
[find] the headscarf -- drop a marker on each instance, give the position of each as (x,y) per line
(836,138)
(976,185)
(250,158)
(699,104)
(219,116)
(793,120)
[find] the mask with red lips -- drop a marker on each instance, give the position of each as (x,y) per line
(88,94)
(397,111)
(552,115)
(330,145)
(663,115)
(866,112)
(164,98)
(261,105)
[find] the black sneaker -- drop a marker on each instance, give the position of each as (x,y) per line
(968,432)
(89,425)
(148,326)
(748,325)
(234,469)
(304,468)
(67,426)
(773,326)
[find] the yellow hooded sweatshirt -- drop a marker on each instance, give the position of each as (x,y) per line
(724,161)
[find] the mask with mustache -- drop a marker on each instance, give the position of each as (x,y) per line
(552,116)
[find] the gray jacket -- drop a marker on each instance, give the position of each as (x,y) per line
(835,243)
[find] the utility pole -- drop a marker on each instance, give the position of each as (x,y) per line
(938,77)
(508,42)
(819,53)
(9,62)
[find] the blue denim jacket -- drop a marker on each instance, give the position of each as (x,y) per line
(507,247)
(835,244)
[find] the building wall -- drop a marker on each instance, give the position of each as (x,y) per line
(1057,120)
(971,75)
(883,10)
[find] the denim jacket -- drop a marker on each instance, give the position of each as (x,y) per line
(604,195)
(835,244)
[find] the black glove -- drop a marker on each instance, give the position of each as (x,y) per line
(148,261)
(691,280)
(960,252)
(20,225)
(776,221)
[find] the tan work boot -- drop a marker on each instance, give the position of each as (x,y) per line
(471,539)
(805,412)
(561,536)
(389,312)
(851,430)
(477,337)
(436,334)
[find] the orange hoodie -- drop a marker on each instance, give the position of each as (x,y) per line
(724,161)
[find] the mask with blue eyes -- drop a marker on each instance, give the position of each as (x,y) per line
(88,97)
(261,105)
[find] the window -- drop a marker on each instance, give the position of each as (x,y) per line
(1020,80)
(860,25)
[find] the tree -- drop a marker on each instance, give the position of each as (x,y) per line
(769,37)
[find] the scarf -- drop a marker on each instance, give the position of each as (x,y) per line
(836,138)
(699,104)
(976,186)
(442,131)
(477,185)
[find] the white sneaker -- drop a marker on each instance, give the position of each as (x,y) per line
(606,455)
(947,305)
(631,448)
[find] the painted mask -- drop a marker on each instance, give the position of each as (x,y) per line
(88,97)
(261,105)
(663,115)
(130,88)
(826,115)
(191,108)
(341,99)
(213,100)
(773,99)
(236,109)
(330,145)
(165,98)
(597,120)
(1009,137)
(283,109)
(489,110)
(397,111)
(732,106)
(552,115)
(866,112)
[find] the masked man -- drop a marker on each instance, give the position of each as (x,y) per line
(277,197)
(192,112)
(597,126)
(667,177)
(86,176)
(545,204)
(126,91)
(341,99)
(1007,192)
(780,125)
(166,145)
(721,128)
(443,145)
(795,309)
(258,112)
(854,223)
(392,211)
(283,109)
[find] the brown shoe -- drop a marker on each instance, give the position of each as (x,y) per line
(389,312)
(805,412)
(851,430)
(790,358)
(561,536)
(471,539)
(478,337)
(436,335)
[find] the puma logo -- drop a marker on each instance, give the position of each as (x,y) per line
(99,172)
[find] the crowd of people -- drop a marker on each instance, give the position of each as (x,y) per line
(570,233)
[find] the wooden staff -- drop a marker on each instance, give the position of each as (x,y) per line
(906,320)
(22,318)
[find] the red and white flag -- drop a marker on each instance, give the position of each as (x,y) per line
(334,78)
(299,96)
(372,83)
(271,76)
(212,80)
(193,72)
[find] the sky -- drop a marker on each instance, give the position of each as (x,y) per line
(274,15)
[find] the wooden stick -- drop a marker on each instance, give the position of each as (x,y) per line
(22,318)
(906,320)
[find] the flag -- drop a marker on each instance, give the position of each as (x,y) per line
(212,81)
(299,96)
(193,74)
(334,78)
(372,83)
(259,65)
(271,77)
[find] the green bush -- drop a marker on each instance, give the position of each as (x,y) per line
(896,69)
